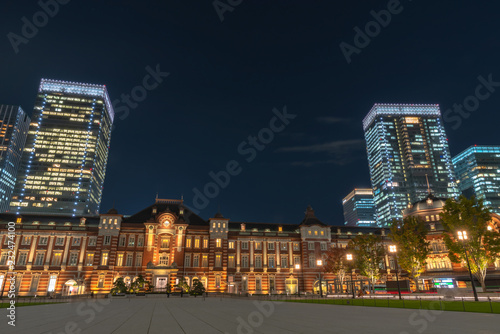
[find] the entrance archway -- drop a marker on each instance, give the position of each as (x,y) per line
(72,287)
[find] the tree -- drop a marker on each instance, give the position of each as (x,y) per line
(183,284)
(409,236)
(368,254)
(119,286)
(337,264)
(482,245)
(197,289)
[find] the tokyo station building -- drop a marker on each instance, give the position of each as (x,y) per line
(66,255)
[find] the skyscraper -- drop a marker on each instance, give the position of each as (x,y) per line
(478,172)
(359,208)
(64,161)
(407,147)
(14,124)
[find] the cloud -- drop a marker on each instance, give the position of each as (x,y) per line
(333,147)
(332,120)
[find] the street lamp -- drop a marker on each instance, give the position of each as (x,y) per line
(297,266)
(350,258)
(320,263)
(393,249)
(462,236)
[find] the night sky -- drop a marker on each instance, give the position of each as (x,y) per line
(226,77)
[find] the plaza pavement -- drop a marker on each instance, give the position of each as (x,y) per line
(214,315)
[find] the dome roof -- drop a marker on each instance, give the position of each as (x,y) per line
(218,215)
(430,202)
(112,211)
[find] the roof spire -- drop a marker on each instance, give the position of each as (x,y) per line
(428,186)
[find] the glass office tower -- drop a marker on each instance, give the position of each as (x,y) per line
(407,147)
(64,161)
(478,172)
(14,124)
(359,208)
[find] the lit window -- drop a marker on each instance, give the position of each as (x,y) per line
(104,260)
(188,242)
(231,245)
(218,243)
(197,243)
(218,260)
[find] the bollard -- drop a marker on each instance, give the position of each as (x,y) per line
(420,302)
(463,303)
(491,306)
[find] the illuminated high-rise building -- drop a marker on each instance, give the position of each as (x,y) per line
(14,123)
(408,154)
(359,208)
(66,152)
(478,172)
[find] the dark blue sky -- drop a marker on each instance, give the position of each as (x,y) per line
(226,78)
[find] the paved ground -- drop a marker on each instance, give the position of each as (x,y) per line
(214,315)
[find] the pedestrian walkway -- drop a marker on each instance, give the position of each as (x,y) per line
(241,316)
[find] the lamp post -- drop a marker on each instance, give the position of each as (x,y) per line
(320,263)
(462,236)
(297,266)
(350,258)
(393,249)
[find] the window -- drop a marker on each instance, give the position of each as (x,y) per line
(310,245)
(59,241)
(56,259)
(26,241)
(244,245)
(244,261)
(284,246)
(258,245)
(323,246)
(258,283)
(52,283)
(218,243)
(296,246)
(130,259)
(164,259)
(43,241)
(218,260)
(284,262)
(204,261)
(312,262)
(217,281)
(138,260)
(258,261)
(205,243)
(187,260)
(21,260)
(131,241)
(272,283)
(165,243)
(231,245)
(122,241)
(230,262)
(39,259)
(73,259)
(197,243)
(100,283)
(77,241)
(196,260)
(270,245)
(188,242)
(119,260)
(34,283)
(270,261)
(140,241)
(90,259)
(107,240)
(92,241)
(296,260)
(104,260)
(3,259)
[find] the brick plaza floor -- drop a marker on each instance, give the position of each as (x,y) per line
(214,315)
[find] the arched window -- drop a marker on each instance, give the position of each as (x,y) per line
(163,259)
